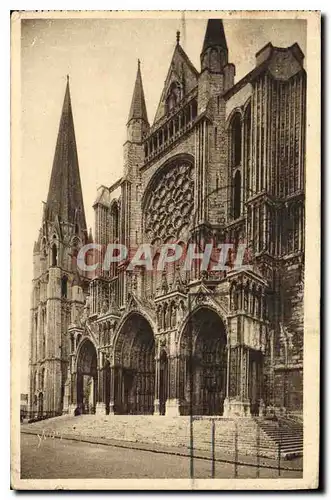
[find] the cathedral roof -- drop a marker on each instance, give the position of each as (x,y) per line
(65,198)
(103,197)
(138,105)
(181,70)
(215,35)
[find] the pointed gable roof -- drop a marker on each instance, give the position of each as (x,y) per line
(65,198)
(181,70)
(138,105)
(103,197)
(215,35)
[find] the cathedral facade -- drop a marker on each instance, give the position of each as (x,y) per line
(222,162)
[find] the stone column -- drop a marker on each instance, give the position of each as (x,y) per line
(112,391)
(73,395)
(228,372)
(242,374)
(172,404)
(236,403)
(100,408)
(119,401)
(262,391)
(157,387)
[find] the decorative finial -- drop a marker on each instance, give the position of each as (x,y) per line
(68,78)
(178,36)
(138,63)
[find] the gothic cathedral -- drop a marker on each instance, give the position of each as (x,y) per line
(222,161)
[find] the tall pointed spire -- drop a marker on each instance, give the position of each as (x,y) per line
(215,35)
(138,105)
(65,198)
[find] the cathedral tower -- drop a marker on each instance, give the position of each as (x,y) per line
(217,75)
(55,279)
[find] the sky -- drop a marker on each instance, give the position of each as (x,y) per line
(100,56)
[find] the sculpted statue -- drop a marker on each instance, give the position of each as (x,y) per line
(112,298)
(164,282)
(134,283)
(85,313)
(104,308)
(173,317)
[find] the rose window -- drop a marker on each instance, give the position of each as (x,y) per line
(170,205)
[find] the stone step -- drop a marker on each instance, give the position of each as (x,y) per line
(175,431)
(286,435)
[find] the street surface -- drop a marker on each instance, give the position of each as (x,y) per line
(66,459)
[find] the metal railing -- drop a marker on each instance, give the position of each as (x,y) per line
(260,457)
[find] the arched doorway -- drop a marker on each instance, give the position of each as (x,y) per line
(134,369)
(203,364)
(163,396)
(87,377)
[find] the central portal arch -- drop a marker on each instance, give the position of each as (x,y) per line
(134,367)
(87,377)
(204,363)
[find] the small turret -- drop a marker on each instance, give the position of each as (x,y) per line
(214,55)
(217,75)
(36,248)
(137,125)
(90,237)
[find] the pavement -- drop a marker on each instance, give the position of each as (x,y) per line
(47,455)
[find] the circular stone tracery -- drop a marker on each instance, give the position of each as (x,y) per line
(167,212)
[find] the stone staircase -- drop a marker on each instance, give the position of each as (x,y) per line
(243,436)
(287,435)
(250,436)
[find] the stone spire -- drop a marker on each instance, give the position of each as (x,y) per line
(65,198)
(214,55)
(138,105)
(215,36)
